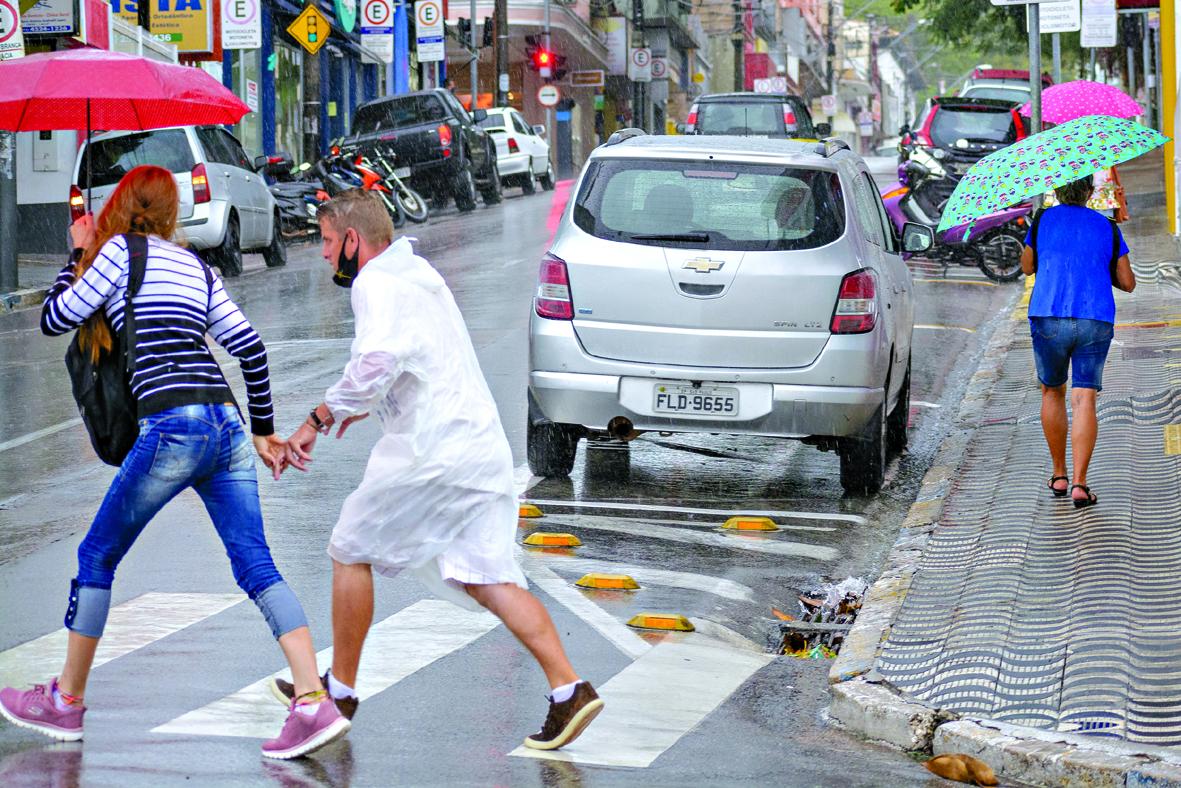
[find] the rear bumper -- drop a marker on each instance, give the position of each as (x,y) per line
(206,227)
(512,164)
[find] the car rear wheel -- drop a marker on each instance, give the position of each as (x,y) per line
(899,417)
(491,193)
(464,189)
(551,448)
(529,180)
(547,180)
(228,256)
(275,255)
(863,459)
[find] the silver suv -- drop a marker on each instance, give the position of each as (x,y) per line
(226,207)
(724,285)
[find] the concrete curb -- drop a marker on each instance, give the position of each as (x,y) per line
(864,704)
(22,299)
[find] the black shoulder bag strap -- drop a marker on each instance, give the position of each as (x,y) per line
(1037,217)
(137,253)
(1113,266)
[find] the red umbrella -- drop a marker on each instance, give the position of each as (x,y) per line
(86,89)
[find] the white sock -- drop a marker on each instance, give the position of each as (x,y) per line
(338,689)
(565,692)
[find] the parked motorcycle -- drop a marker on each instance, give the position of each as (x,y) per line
(923,189)
(413,205)
(297,195)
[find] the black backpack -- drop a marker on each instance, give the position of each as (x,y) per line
(1112,266)
(103,389)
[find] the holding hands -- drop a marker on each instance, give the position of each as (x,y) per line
(297,450)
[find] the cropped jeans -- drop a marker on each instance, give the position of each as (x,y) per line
(198,446)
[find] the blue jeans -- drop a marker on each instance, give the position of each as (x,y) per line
(1077,345)
(198,446)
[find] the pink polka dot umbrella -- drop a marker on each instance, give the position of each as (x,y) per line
(1070,100)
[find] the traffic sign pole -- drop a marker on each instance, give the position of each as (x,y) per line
(474,66)
(1035,69)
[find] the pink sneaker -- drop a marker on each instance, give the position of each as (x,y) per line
(303,733)
(34,709)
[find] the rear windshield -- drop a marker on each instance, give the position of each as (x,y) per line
(398,114)
(757,118)
(998,93)
(710,205)
(975,125)
(494,122)
(111,159)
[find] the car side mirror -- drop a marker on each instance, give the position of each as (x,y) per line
(260,162)
(917,237)
(823,130)
(479,115)
(539,129)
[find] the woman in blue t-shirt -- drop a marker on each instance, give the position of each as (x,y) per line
(1072,319)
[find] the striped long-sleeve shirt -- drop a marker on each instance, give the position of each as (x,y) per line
(174,309)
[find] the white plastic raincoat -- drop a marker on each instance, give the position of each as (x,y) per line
(437,496)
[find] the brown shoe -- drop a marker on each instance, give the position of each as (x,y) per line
(567,720)
(284,692)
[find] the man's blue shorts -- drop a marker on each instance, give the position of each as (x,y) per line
(1077,345)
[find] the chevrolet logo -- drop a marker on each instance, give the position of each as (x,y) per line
(703,265)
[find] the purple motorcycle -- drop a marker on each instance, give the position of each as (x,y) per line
(996,241)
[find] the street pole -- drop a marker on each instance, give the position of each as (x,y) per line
(9,279)
(638,113)
(549,113)
(474,68)
(1056,44)
(830,54)
(1146,70)
(1035,69)
(738,38)
(501,53)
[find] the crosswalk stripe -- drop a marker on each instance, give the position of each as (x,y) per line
(755,544)
(396,647)
(130,626)
(632,506)
(656,700)
(652,576)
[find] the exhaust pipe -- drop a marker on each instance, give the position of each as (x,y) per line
(621,428)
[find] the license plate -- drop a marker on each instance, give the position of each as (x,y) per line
(402,172)
(696,401)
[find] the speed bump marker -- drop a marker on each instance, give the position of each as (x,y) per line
(540,539)
(750,524)
(529,510)
(615,582)
(666,621)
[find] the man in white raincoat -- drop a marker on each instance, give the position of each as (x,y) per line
(437,496)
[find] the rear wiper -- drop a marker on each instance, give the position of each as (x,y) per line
(674,237)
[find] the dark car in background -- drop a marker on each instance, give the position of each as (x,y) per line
(754,114)
(450,156)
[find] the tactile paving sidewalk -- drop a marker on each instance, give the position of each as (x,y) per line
(1028,611)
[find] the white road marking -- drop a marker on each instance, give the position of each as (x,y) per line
(918,403)
(523,479)
(130,626)
(615,631)
(396,647)
(704,525)
(757,543)
(723,513)
(649,576)
(656,700)
(32,436)
(933,327)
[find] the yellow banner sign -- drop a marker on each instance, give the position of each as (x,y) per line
(187,24)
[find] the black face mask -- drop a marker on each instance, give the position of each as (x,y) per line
(346,266)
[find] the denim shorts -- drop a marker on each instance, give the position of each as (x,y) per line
(1077,345)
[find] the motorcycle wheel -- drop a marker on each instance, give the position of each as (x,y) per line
(395,211)
(412,204)
(1000,253)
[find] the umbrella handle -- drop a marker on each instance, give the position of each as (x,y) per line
(89,156)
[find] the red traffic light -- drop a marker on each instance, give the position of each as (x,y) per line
(543,58)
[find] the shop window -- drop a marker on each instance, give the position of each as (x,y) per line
(289,99)
(246,70)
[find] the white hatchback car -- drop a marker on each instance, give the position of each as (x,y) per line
(522,154)
(226,207)
(724,285)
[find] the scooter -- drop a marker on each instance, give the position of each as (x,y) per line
(297,196)
(996,240)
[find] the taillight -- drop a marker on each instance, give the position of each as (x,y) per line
(691,121)
(789,118)
(923,138)
(553,290)
(513,147)
(444,132)
(200,185)
(77,203)
(857,307)
(1019,126)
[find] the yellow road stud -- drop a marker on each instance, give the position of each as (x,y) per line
(668,621)
(528,510)
(750,524)
(540,539)
(614,582)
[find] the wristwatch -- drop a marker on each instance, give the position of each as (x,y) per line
(321,426)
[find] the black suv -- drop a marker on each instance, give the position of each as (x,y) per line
(430,131)
(754,114)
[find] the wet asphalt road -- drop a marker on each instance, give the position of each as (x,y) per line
(456,719)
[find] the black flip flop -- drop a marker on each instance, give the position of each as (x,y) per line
(1058,493)
(1083,503)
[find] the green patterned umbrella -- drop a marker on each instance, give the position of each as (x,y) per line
(1043,162)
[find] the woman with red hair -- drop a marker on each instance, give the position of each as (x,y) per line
(190,436)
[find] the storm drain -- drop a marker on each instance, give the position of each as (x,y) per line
(825,615)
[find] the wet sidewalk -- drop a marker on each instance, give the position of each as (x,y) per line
(1027,611)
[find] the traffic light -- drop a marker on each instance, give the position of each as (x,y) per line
(463,30)
(541,60)
(487,40)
